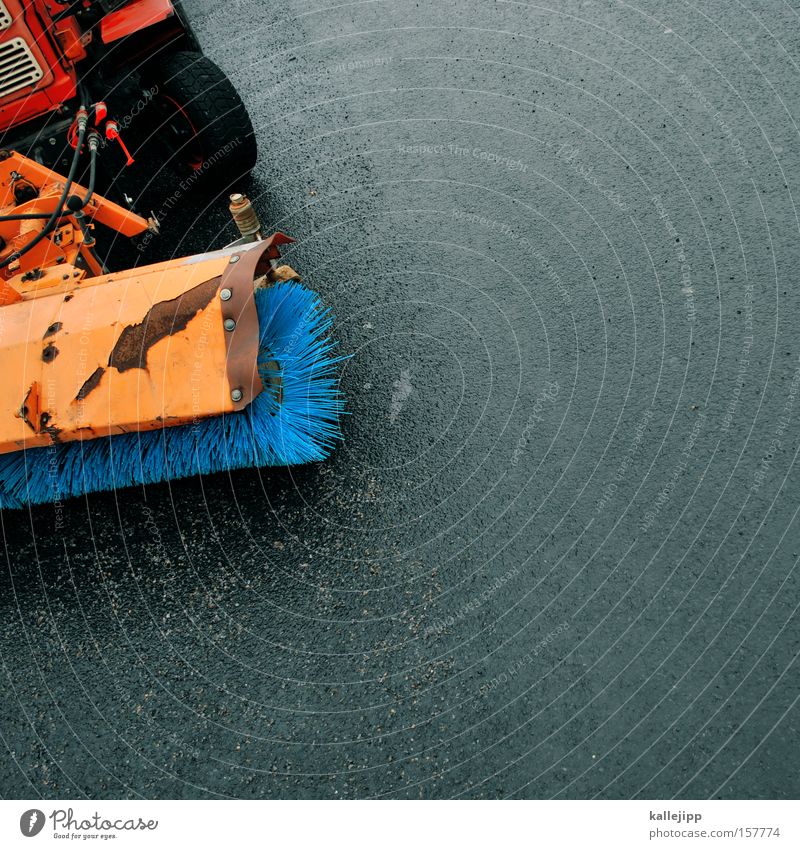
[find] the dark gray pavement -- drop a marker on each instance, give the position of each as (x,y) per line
(556,554)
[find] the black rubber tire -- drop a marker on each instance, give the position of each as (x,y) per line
(223,132)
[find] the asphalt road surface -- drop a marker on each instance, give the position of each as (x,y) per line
(556,553)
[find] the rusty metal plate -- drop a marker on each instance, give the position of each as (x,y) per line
(137,350)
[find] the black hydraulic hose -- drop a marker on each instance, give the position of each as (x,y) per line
(58,211)
(36,216)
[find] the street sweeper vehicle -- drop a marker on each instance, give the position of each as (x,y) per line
(162,99)
(133,376)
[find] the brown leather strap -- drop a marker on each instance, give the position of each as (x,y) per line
(242,342)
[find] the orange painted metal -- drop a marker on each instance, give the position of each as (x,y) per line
(105,211)
(91,354)
(134,17)
(60,260)
(137,350)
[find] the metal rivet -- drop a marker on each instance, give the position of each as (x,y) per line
(234,259)
(229,324)
(226,294)
(237,395)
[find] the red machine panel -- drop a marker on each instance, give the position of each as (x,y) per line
(35,77)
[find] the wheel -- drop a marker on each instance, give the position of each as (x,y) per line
(200,122)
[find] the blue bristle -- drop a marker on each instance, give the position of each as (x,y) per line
(302,428)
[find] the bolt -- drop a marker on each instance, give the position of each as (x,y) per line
(237,395)
(229,324)
(226,294)
(234,258)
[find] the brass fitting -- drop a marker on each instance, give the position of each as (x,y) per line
(245,218)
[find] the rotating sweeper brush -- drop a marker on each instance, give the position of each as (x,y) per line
(201,364)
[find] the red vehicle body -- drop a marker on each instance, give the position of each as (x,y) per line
(33,77)
(42,46)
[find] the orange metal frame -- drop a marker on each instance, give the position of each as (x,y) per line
(87,354)
(133,351)
(138,350)
(60,258)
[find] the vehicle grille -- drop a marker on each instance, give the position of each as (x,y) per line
(5,17)
(18,67)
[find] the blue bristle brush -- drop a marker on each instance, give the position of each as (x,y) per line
(300,426)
